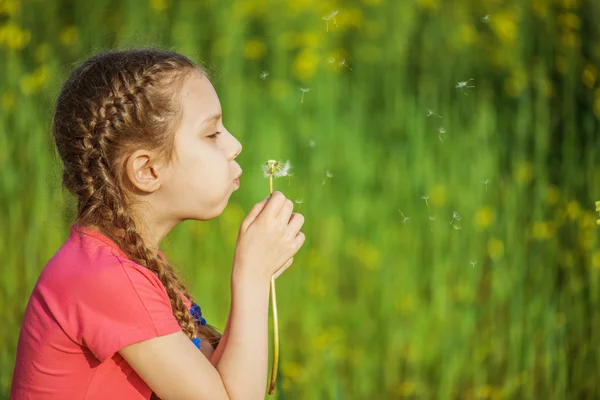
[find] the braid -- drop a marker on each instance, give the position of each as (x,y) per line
(110,104)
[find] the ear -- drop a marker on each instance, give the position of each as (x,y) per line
(142,171)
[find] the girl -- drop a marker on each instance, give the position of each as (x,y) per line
(142,141)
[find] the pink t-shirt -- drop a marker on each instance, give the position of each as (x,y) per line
(89,302)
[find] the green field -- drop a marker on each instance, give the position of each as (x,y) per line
(446,258)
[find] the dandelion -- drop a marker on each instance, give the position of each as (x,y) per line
(300,201)
(303,90)
(441,131)
(404,216)
(455,217)
(430,113)
(328,175)
(343,64)
(473,263)
(275,169)
(465,85)
(425,198)
(485,182)
(264,75)
(311,143)
(330,17)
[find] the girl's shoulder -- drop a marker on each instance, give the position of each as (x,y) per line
(88,261)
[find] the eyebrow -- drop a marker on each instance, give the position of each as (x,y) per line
(211,118)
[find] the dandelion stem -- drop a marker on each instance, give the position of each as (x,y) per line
(275,323)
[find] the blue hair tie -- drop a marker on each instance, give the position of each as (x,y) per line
(196,313)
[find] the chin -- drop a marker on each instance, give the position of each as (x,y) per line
(213,213)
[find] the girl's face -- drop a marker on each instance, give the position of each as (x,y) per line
(201,177)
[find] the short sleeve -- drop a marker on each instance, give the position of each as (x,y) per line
(122,304)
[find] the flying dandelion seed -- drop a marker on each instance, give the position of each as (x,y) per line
(455,217)
(404,216)
(465,85)
(299,202)
(330,17)
(457,227)
(328,175)
(425,198)
(264,75)
(473,263)
(430,113)
(303,90)
(486,18)
(311,143)
(331,60)
(432,217)
(485,182)
(441,131)
(343,64)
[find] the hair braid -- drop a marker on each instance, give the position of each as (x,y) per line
(112,103)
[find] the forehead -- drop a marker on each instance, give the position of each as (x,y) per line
(199,98)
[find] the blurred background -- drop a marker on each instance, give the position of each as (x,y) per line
(445,155)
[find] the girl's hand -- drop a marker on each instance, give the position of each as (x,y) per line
(268,238)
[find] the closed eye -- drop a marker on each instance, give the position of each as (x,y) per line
(214,135)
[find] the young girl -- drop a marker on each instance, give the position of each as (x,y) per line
(142,141)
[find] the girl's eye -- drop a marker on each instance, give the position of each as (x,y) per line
(214,135)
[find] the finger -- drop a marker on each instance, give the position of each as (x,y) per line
(274,205)
(283,268)
(254,212)
(296,222)
(286,211)
(298,241)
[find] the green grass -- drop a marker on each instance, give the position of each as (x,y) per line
(373,307)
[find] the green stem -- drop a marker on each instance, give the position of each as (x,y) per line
(275,324)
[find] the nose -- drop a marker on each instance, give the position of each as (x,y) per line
(236,149)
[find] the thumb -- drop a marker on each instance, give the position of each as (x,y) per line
(258,207)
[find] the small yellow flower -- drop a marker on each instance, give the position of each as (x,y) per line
(524,173)
(254,49)
(495,248)
(573,210)
(438,195)
(596,260)
(552,195)
(69,36)
(484,217)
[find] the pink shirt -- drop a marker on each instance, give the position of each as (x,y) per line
(89,302)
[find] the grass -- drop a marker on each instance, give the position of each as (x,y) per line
(373,306)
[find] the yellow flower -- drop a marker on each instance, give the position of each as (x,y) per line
(596,260)
(35,81)
(159,5)
(254,49)
(42,52)
(504,24)
(524,173)
(573,210)
(467,33)
(429,4)
(366,253)
(305,65)
(13,36)
(552,195)
(495,248)
(9,99)
(69,35)
(543,230)
(484,217)
(10,7)
(438,195)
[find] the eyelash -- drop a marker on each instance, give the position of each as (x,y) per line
(214,135)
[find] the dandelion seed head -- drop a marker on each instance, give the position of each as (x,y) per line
(274,168)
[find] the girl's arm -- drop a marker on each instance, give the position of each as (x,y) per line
(175,370)
(218,352)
